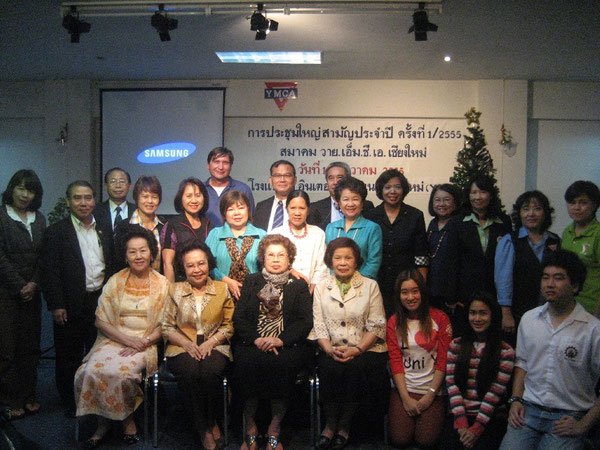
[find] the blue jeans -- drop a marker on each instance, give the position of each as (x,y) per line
(537,432)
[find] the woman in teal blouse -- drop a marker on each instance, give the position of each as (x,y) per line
(350,195)
(235,244)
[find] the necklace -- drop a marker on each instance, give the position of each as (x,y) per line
(439,244)
(299,236)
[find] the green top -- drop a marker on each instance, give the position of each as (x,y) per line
(483,231)
(344,287)
(587,247)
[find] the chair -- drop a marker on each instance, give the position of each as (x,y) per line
(164,375)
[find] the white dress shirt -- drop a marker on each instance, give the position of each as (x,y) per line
(112,206)
(562,364)
(91,252)
(336,213)
(273,209)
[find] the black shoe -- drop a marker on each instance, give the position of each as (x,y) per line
(338,442)
(323,443)
(131,439)
(93,443)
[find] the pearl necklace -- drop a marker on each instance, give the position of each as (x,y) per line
(299,236)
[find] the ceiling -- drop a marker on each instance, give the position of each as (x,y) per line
(487,39)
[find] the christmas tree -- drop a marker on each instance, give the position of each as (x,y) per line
(474,159)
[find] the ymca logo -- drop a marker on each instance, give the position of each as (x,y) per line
(281,92)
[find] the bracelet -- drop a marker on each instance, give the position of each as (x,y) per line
(360,350)
(431,390)
(217,340)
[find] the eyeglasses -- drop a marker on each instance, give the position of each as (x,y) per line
(117,181)
(280,176)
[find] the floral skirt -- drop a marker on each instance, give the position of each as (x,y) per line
(108,384)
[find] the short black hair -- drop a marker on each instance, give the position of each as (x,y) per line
(109,171)
(353,185)
(387,176)
(524,199)
(582,187)
(485,183)
(31,182)
(177,201)
(295,194)
(220,151)
(127,232)
(79,183)
(570,262)
(231,197)
(147,183)
(188,246)
(281,162)
(451,189)
(342,242)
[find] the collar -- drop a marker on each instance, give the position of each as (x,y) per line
(523,233)
(229,184)
(355,282)
(359,223)
(187,288)
(226,232)
(579,314)
(474,218)
(79,224)
(112,206)
(589,230)
(135,218)
(13,215)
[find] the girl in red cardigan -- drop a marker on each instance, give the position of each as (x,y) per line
(418,337)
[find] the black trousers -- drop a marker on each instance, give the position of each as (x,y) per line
(72,341)
(20,325)
(200,384)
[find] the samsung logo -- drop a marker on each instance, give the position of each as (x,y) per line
(167,152)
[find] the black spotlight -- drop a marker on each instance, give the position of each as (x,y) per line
(262,25)
(421,24)
(163,24)
(74,26)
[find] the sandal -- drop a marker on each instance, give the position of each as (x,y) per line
(250,439)
(13,413)
(273,441)
(32,408)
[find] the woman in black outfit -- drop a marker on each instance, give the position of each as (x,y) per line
(271,320)
(403,229)
(482,227)
(191,202)
(21,230)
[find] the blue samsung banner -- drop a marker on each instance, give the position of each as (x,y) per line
(162,132)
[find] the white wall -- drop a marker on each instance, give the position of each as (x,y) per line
(564,141)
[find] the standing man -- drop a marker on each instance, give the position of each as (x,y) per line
(109,213)
(325,211)
(557,367)
(76,255)
(219,162)
(272,213)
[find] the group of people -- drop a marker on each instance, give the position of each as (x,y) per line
(451,313)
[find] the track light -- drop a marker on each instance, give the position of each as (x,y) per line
(163,24)
(74,26)
(262,25)
(421,24)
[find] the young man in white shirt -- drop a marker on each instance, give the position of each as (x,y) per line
(554,403)
(271,213)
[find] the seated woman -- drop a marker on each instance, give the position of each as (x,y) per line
(478,371)
(191,202)
(349,325)
(272,320)
(234,244)
(350,195)
(198,327)
(308,239)
(518,265)
(418,337)
(128,317)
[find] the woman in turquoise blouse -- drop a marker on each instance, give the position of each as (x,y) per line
(235,244)
(350,195)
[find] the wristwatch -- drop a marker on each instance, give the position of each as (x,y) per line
(515,399)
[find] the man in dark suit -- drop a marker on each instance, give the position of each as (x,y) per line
(109,213)
(77,257)
(325,211)
(271,213)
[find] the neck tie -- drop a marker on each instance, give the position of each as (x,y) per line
(118,217)
(278,219)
